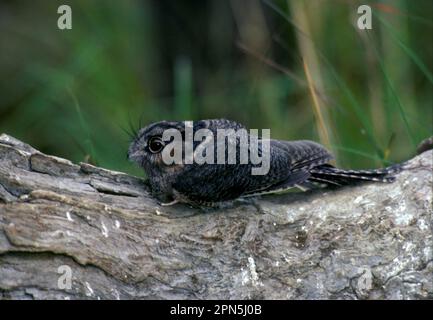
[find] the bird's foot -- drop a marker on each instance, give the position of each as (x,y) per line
(166,204)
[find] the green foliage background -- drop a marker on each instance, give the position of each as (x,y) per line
(70,93)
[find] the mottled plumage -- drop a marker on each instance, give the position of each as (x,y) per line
(303,164)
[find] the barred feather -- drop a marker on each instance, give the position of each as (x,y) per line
(334,176)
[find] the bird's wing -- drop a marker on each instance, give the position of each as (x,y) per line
(289,167)
(304,154)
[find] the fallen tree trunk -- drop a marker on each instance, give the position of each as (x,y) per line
(101,228)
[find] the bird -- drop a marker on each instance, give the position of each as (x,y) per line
(301,164)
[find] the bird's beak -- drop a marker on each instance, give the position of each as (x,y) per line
(135,155)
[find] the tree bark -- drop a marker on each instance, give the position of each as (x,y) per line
(372,241)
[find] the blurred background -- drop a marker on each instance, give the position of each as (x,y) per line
(301,68)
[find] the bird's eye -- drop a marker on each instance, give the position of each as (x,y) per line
(155,144)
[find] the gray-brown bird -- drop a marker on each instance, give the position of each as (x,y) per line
(303,164)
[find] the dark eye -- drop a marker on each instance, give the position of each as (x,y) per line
(155,144)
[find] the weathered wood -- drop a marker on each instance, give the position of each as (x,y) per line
(370,241)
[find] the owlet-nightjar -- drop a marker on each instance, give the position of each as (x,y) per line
(303,164)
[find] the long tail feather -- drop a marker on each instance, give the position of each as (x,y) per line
(332,176)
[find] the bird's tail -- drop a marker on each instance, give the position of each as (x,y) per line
(331,176)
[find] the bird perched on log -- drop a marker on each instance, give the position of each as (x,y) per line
(303,164)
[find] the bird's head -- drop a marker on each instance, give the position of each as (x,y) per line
(147,147)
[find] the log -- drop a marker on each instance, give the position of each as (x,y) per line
(76,231)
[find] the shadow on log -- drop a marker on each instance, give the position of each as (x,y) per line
(59,219)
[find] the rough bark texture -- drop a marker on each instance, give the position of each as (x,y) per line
(372,241)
